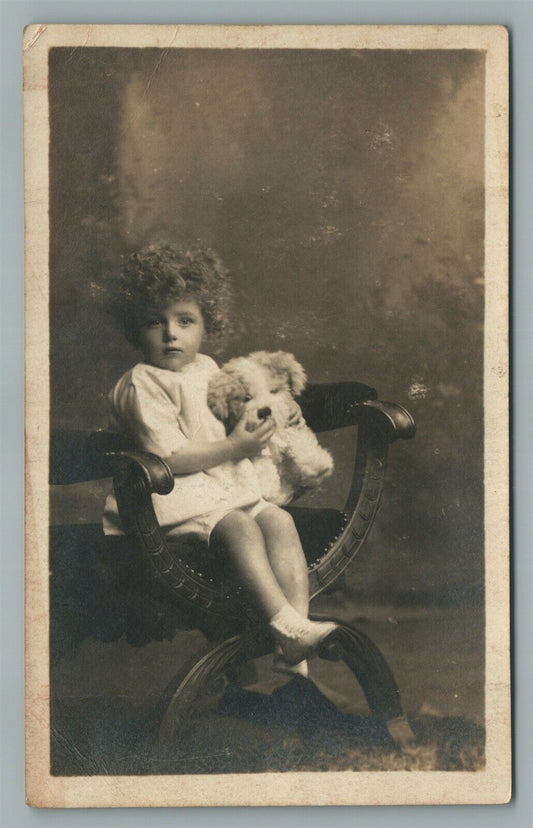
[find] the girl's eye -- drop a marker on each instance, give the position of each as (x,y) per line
(153,323)
(185,321)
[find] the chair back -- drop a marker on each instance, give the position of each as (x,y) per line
(80,456)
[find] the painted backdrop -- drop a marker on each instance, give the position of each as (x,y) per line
(344,191)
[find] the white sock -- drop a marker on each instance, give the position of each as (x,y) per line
(296,635)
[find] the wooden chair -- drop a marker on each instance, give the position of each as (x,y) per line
(145,587)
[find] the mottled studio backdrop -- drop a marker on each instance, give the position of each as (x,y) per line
(344,190)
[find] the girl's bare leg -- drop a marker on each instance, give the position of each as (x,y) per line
(286,556)
(243,540)
(296,635)
(245,543)
(289,565)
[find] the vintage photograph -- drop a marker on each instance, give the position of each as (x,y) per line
(266,405)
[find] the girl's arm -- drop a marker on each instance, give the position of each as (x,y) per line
(199,455)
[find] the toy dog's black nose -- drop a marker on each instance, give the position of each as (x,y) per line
(265,412)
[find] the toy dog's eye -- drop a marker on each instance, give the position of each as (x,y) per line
(275,390)
(247,398)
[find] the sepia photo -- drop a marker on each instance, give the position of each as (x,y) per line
(267,529)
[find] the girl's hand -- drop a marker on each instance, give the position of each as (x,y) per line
(296,419)
(249,443)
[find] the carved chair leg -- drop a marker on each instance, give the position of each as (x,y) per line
(369,667)
(201,681)
(192,683)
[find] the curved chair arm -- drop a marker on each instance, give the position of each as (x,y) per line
(389,421)
(152,469)
(380,423)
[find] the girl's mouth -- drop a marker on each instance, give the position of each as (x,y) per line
(173,351)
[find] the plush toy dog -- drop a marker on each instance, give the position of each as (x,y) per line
(264,385)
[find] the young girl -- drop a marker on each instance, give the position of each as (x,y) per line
(166,302)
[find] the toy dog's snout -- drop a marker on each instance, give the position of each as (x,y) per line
(265,412)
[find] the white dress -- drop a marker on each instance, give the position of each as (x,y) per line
(160,410)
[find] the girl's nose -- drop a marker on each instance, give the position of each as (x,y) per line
(170,332)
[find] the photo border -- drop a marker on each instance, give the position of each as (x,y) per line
(492,784)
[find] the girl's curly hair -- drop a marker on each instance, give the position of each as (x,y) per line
(158,274)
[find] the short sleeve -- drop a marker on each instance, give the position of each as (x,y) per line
(147,411)
(208,365)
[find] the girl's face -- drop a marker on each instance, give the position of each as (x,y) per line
(171,337)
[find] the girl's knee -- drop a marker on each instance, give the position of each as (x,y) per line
(277,518)
(235,523)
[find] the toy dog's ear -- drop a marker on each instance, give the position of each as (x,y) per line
(218,393)
(285,364)
(225,397)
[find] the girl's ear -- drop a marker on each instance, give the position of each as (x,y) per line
(284,363)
